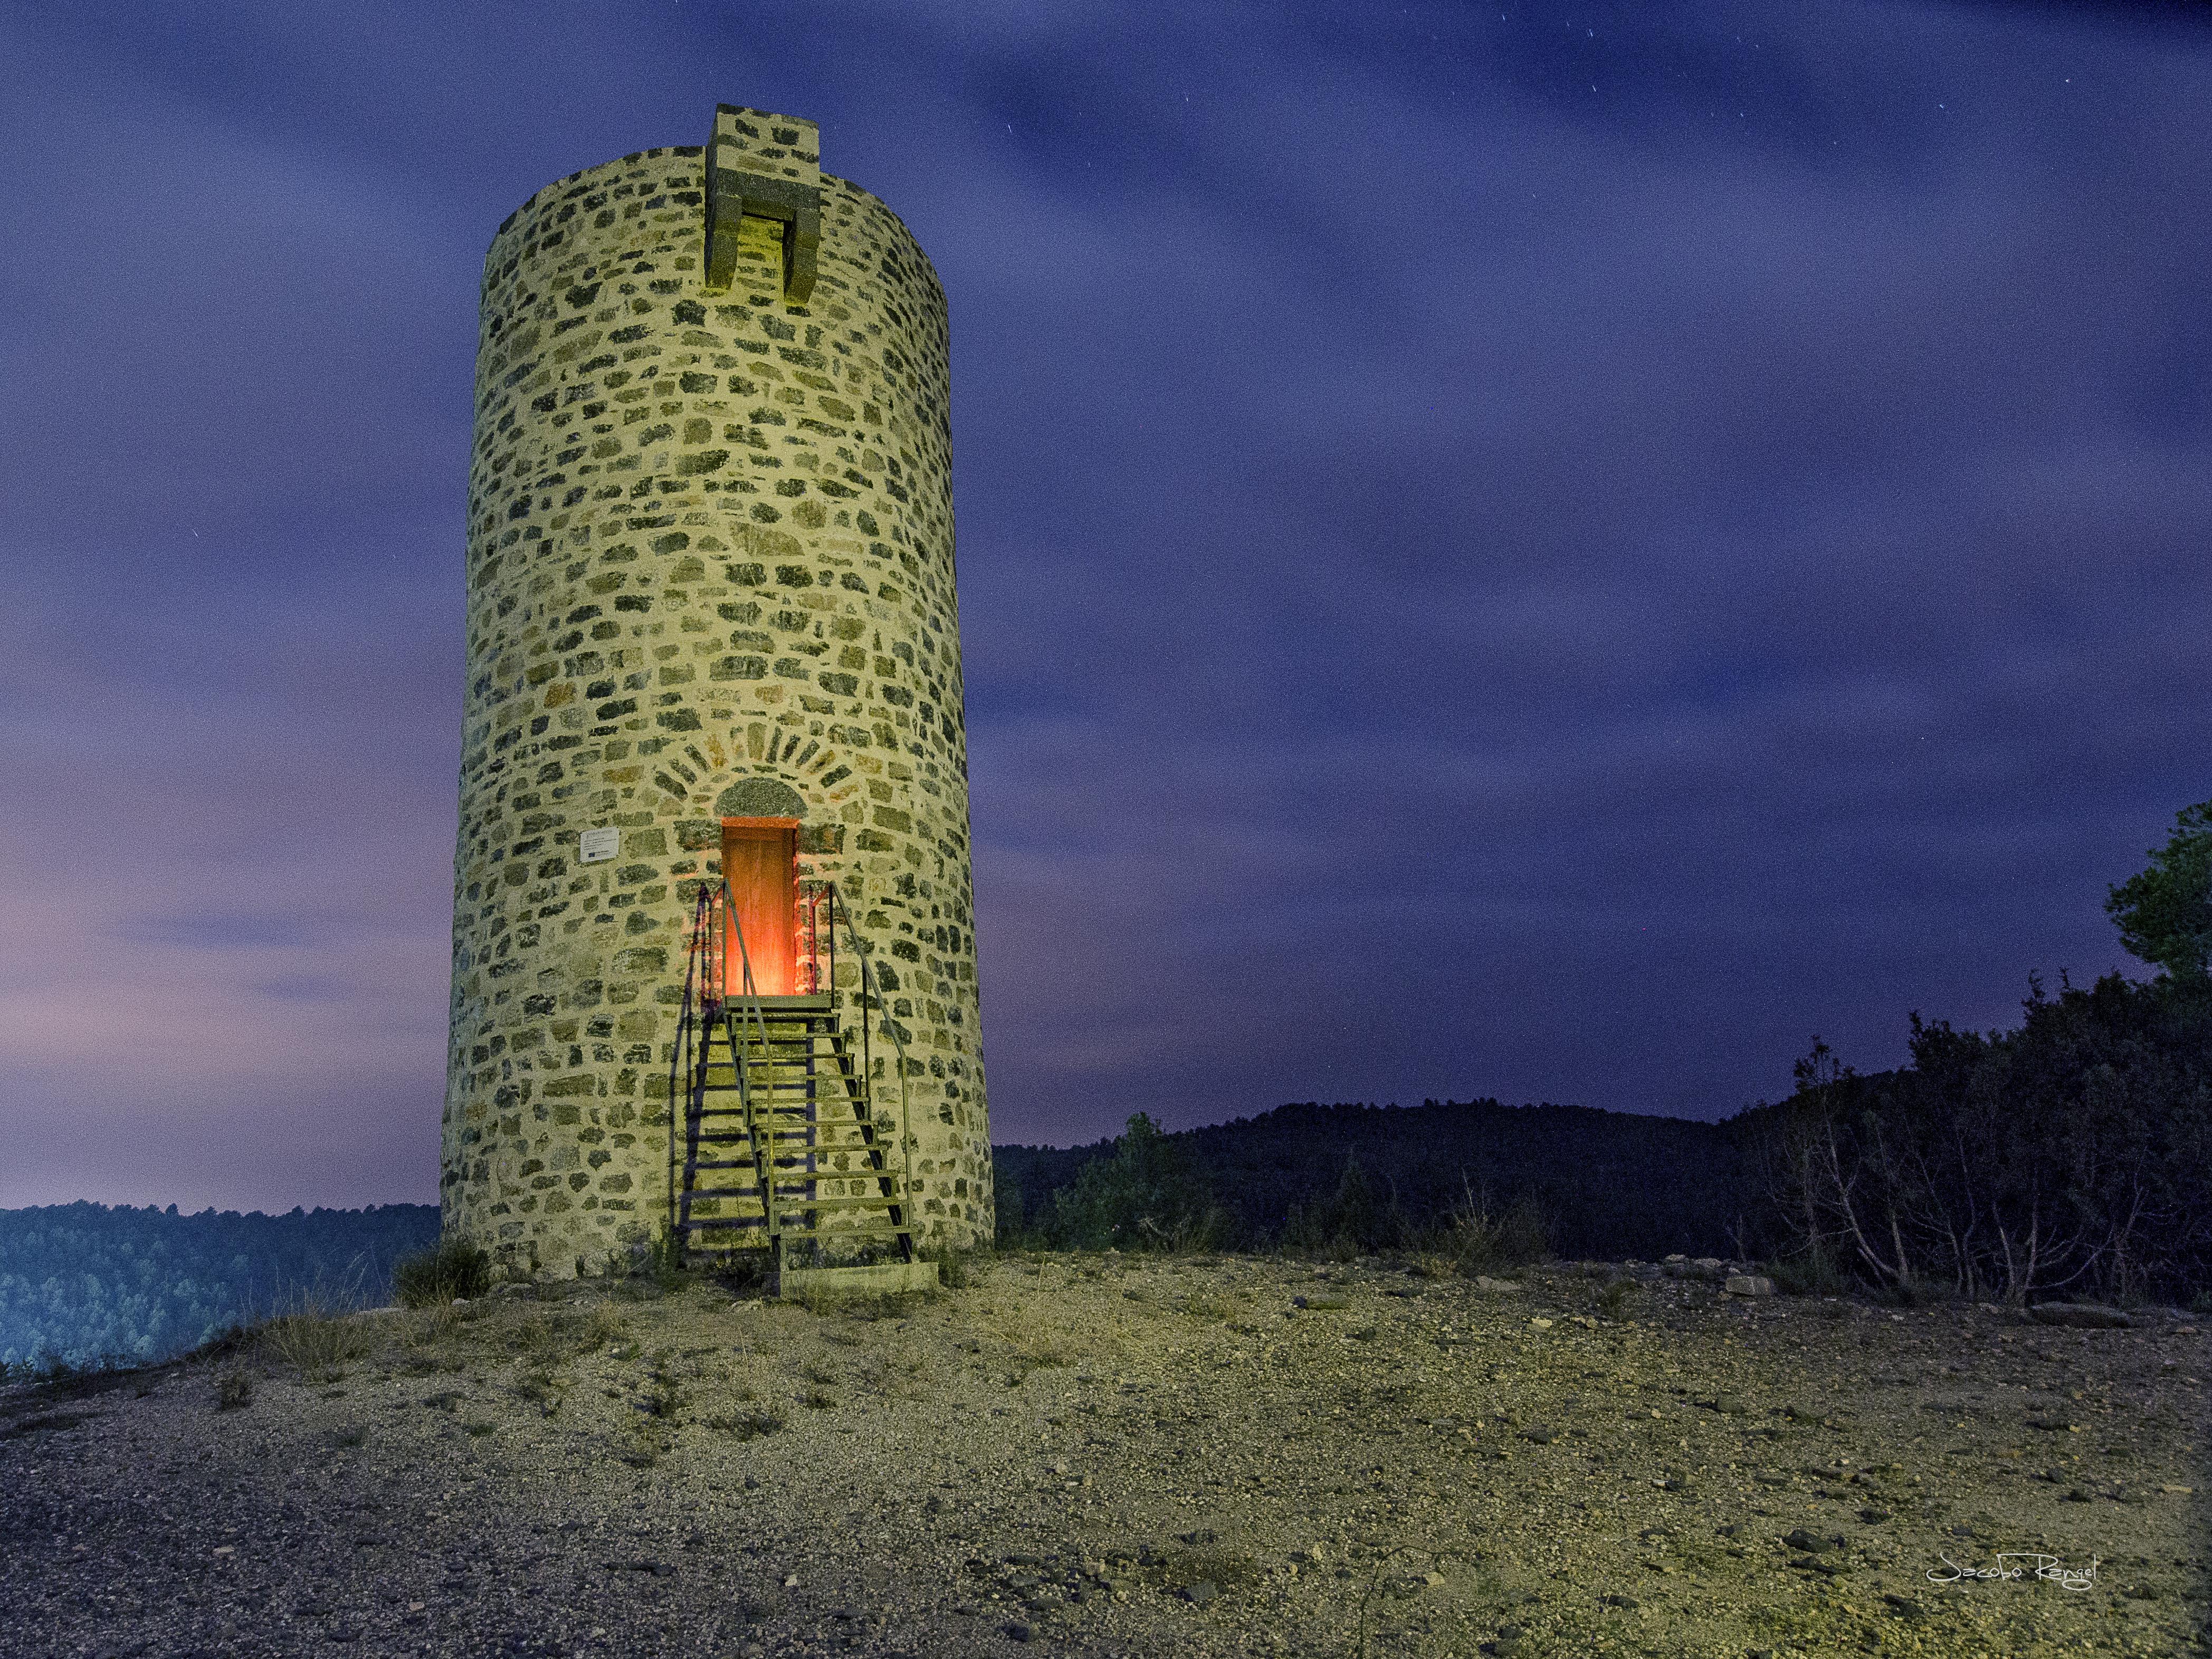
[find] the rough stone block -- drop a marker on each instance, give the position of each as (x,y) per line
(884,1278)
(2087,1316)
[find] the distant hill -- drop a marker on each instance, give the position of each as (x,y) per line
(83,1282)
(1609,1185)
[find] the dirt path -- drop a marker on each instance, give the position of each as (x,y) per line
(1131,1456)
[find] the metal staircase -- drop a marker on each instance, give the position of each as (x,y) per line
(783,1149)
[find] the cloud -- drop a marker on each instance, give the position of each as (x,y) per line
(1497,557)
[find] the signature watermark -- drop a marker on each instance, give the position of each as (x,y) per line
(2018,1565)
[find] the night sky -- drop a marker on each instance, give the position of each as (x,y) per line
(1536,551)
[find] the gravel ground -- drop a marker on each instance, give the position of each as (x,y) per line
(1135,1456)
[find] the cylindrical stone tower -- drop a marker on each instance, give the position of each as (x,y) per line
(710,589)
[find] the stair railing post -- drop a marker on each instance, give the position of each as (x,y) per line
(871,996)
(679,1058)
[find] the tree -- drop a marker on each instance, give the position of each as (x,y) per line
(2165,913)
(1149,1196)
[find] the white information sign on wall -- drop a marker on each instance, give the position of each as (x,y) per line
(597,846)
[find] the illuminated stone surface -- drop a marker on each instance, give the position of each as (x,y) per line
(710,564)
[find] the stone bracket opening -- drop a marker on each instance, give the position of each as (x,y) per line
(763,166)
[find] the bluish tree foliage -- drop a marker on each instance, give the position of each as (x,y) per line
(84,1283)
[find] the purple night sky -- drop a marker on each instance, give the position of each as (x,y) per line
(1535,551)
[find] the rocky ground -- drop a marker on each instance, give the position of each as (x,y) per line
(1128,1455)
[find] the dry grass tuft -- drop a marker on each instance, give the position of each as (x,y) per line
(604,1324)
(747,1424)
(314,1340)
(453,1269)
(426,1341)
(1040,1350)
(898,1372)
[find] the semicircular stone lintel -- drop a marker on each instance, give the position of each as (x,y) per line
(760,797)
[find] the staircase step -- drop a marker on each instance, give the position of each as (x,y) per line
(884,1230)
(763,1111)
(722,1192)
(789,1163)
(787,1149)
(791,1166)
(840,1203)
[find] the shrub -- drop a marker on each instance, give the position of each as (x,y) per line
(1148,1195)
(2070,1156)
(664,1262)
(664,1397)
(747,1424)
(233,1389)
(1475,1240)
(456,1269)
(1010,1224)
(1362,1217)
(1812,1273)
(954,1265)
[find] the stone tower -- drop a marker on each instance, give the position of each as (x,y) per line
(710,597)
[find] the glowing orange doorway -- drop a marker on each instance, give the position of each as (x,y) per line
(760,859)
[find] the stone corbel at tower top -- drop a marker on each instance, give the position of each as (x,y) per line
(765,166)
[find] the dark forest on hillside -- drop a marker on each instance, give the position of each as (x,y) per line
(2071,1156)
(1604,1184)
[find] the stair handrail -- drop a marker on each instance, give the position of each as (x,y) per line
(764,1157)
(679,1057)
(871,997)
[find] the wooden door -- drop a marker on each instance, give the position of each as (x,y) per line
(760,857)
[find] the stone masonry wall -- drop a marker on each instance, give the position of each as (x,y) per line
(709,553)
